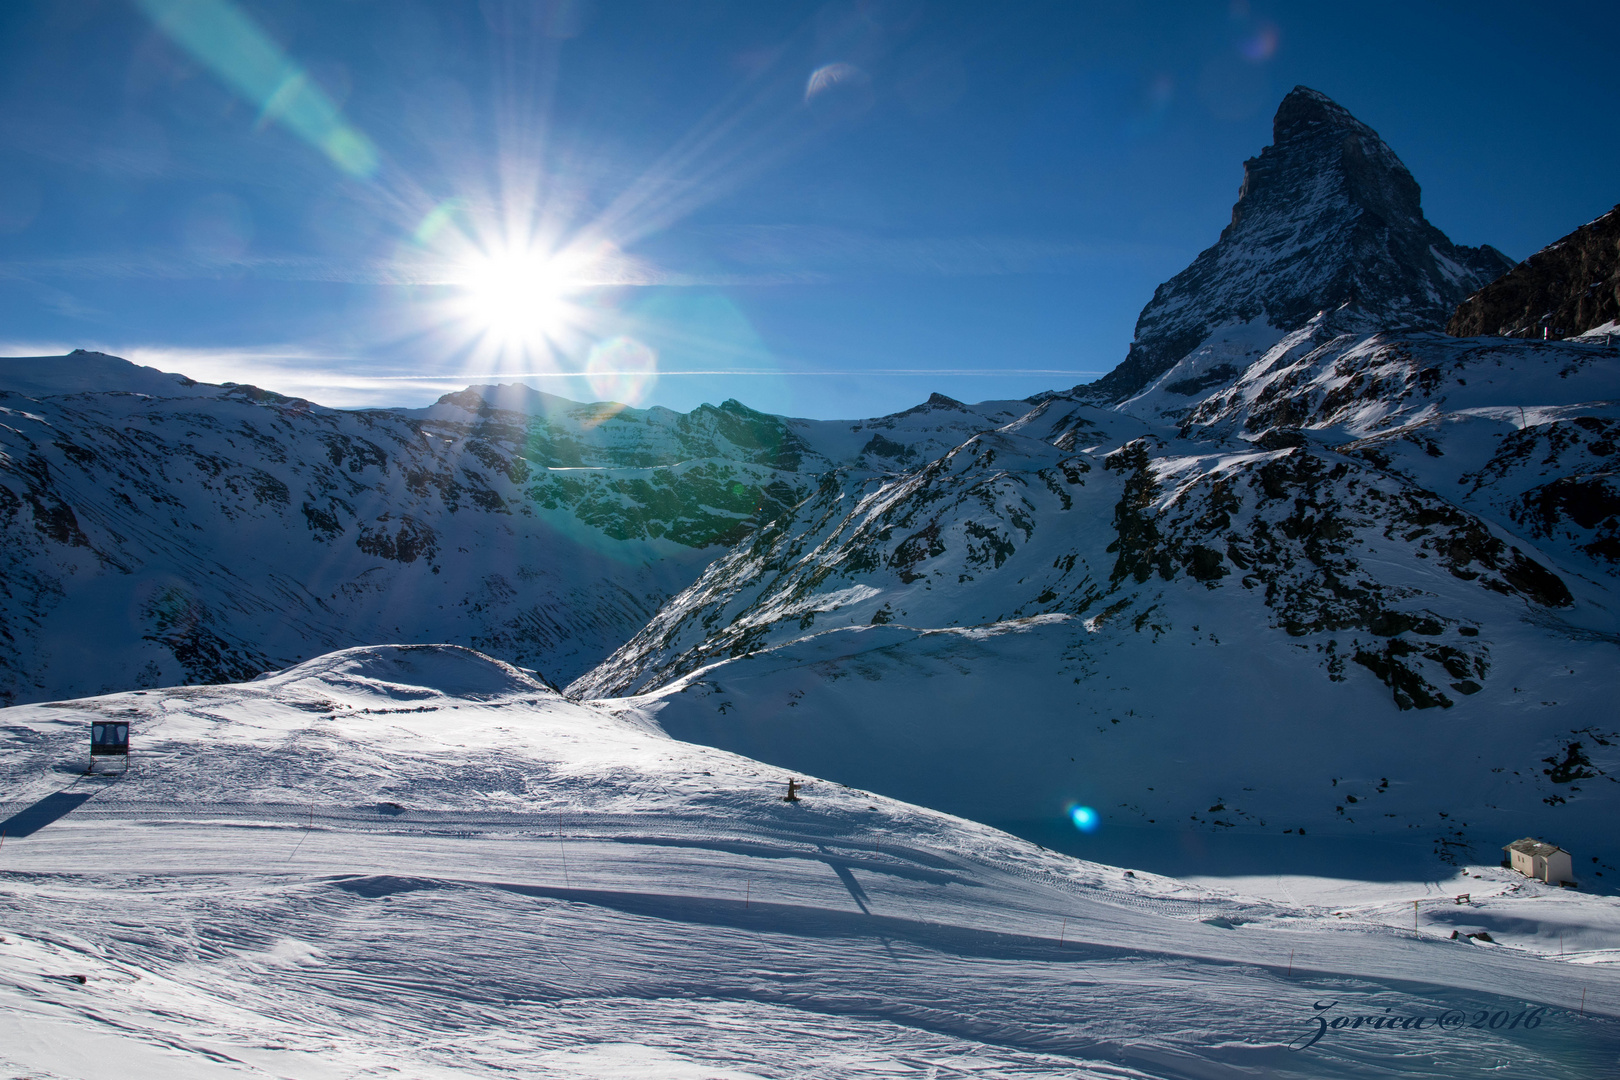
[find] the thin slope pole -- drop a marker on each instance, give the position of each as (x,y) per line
(563,844)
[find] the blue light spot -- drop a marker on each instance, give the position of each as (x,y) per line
(1085,818)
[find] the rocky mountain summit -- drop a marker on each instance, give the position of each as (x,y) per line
(1568,288)
(1327,220)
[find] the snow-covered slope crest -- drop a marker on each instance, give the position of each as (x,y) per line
(86,372)
(419,861)
(406,672)
(1327,220)
(1194,729)
(160,530)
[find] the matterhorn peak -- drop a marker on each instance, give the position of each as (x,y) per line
(1327,219)
(1315,135)
(1305,110)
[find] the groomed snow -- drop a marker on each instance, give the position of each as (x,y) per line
(416,861)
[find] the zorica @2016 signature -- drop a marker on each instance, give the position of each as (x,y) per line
(1448,1020)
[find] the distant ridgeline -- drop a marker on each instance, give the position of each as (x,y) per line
(1302,562)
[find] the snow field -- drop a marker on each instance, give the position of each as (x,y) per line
(478,878)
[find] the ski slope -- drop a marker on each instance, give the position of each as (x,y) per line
(418,861)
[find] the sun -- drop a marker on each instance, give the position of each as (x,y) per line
(517,298)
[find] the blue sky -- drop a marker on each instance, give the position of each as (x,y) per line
(818,209)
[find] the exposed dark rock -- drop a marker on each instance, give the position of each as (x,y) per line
(410,541)
(1140,547)
(878,446)
(1205,564)
(1411,689)
(1591,502)
(323,523)
(1574,766)
(1566,288)
(1280,439)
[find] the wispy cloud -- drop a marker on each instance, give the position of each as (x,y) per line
(333,378)
(325,376)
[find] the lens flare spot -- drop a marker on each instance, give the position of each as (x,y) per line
(224,38)
(351,151)
(1260,45)
(1085,818)
(438,219)
(622,370)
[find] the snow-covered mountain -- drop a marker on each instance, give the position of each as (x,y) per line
(1199,632)
(1327,220)
(418,861)
(1350,579)
(159,530)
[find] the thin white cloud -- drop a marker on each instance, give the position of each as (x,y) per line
(339,380)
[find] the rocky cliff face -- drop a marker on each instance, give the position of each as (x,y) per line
(1563,290)
(1327,219)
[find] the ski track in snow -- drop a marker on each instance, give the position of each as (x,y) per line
(285,884)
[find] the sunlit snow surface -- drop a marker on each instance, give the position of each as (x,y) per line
(420,862)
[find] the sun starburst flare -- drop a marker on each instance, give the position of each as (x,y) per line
(518,298)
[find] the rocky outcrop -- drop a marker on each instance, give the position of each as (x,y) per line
(1565,289)
(1327,219)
